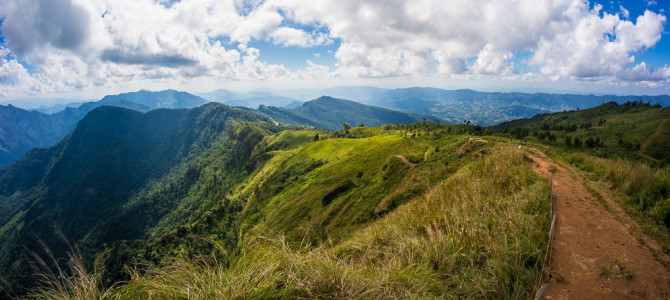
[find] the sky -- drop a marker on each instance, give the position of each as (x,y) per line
(64,49)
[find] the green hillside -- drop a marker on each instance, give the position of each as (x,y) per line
(624,147)
(609,130)
(22,130)
(119,175)
(224,186)
(220,202)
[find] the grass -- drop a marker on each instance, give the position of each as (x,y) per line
(642,190)
(619,128)
(615,270)
(479,233)
(287,196)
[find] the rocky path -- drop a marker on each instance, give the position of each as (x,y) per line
(596,252)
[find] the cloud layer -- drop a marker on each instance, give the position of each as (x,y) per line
(65,45)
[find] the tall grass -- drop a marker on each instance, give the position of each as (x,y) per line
(479,234)
(646,188)
(73,282)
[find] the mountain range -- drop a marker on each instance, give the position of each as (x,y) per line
(22,130)
(482,108)
(330,113)
(250,99)
(118,176)
(140,189)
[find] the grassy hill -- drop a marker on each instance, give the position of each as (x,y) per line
(175,203)
(358,213)
(609,130)
(623,147)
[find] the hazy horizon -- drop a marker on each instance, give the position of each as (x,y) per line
(45,102)
(83,50)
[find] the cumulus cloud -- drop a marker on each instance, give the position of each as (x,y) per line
(75,44)
(493,61)
(31,23)
(642,72)
(597,46)
(288,36)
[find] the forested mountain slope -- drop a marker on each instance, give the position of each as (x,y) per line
(113,178)
(22,130)
(171,203)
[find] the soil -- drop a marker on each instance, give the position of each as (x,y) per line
(406,161)
(593,245)
(645,144)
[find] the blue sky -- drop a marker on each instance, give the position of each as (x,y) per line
(86,49)
(658,55)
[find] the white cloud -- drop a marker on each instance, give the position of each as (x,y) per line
(288,36)
(597,46)
(31,23)
(624,12)
(493,61)
(111,43)
(642,72)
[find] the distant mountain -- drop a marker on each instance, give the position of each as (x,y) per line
(56,108)
(220,95)
(98,185)
(328,112)
(21,130)
(249,100)
(481,108)
(161,99)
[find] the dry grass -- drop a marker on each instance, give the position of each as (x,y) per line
(479,234)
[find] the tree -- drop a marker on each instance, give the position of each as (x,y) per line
(568,141)
(316,137)
(346,127)
(577,143)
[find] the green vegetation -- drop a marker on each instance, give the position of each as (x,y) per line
(605,143)
(609,130)
(122,175)
(615,270)
(219,202)
(23,130)
(479,233)
(644,191)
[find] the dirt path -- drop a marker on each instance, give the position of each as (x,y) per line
(645,144)
(590,242)
(406,161)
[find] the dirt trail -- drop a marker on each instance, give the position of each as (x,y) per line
(589,240)
(406,161)
(645,144)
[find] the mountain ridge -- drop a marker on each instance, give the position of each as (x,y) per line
(328,112)
(21,130)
